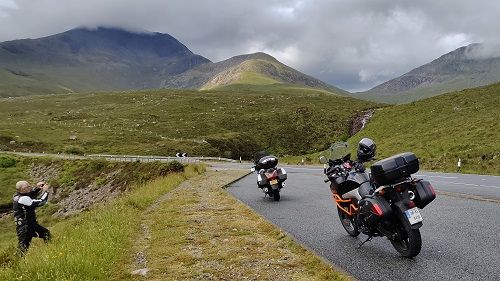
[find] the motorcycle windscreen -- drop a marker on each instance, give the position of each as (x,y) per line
(339,150)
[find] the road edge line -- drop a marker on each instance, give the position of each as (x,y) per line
(468,196)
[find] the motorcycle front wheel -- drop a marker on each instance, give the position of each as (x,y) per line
(349,223)
(408,244)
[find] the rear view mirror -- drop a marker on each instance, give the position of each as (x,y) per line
(252,169)
(323,160)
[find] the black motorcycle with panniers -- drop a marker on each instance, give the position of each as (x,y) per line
(270,178)
(385,202)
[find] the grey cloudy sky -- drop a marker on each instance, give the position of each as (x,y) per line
(353,44)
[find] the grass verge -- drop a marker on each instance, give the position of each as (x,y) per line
(88,246)
(199,232)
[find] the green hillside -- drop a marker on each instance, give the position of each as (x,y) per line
(262,69)
(112,59)
(229,123)
(82,60)
(16,83)
(441,129)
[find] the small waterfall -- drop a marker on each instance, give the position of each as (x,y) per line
(360,121)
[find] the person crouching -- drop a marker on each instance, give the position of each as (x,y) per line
(24,203)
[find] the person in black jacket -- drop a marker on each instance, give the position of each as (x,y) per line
(24,203)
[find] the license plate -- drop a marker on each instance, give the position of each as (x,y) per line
(414,215)
(273,182)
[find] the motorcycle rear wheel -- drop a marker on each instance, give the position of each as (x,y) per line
(349,223)
(408,244)
(276,194)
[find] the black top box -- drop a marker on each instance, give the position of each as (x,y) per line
(395,168)
(267,162)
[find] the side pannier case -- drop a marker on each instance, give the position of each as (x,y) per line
(374,209)
(282,175)
(424,193)
(262,180)
(395,168)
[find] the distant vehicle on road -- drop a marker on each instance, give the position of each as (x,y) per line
(270,179)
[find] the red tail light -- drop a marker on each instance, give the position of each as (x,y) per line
(272,175)
(377,210)
(411,204)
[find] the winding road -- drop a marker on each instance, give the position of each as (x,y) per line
(460,235)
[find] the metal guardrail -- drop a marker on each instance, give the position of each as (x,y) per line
(126,158)
(142,158)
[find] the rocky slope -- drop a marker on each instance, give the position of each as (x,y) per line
(113,59)
(466,67)
(252,69)
(84,60)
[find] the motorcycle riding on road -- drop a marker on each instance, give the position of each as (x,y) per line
(270,179)
(386,202)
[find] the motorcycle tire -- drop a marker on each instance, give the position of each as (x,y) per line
(349,223)
(276,194)
(408,244)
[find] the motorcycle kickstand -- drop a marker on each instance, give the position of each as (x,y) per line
(367,239)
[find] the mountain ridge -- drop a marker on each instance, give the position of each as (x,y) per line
(249,69)
(465,67)
(113,59)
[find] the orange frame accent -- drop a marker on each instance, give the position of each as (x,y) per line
(352,207)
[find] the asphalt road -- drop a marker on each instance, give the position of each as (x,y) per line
(460,236)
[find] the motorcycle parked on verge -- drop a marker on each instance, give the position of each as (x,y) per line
(270,179)
(386,202)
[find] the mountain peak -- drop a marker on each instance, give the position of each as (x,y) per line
(260,55)
(101,58)
(113,58)
(466,67)
(160,44)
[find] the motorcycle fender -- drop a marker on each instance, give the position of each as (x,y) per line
(399,208)
(275,186)
(417,225)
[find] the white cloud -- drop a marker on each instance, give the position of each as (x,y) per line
(8,4)
(450,41)
(5,7)
(352,44)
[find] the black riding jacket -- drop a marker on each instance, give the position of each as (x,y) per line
(24,206)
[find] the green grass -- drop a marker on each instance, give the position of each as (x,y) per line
(20,84)
(201,232)
(227,123)
(255,78)
(88,246)
(441,129)
(76,174)
(70,175)
(8,178)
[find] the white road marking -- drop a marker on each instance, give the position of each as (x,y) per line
(469,184)
(435,176)
(308,169)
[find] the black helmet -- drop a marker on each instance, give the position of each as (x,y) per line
(366,149)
